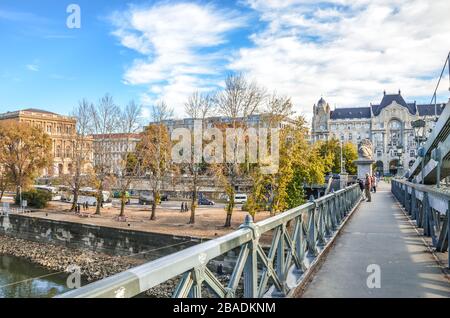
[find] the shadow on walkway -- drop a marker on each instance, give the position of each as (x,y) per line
(379,233)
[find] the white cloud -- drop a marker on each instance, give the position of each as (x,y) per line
(180,46)
(348,51)
(32,67)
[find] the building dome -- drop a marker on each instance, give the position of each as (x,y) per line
(321,102)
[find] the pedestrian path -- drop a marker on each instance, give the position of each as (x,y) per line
(380,236)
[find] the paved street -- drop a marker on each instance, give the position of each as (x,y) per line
(379,233)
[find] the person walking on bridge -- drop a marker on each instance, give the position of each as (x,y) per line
(368,187)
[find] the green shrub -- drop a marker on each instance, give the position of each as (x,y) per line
(35,198)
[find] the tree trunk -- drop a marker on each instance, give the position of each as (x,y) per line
(193,206)
(228,220)
(1,194)
(99,200)
(75,200)
(18,195)
(122,204)
(153,216)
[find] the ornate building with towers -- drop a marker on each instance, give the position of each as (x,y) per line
(387,124)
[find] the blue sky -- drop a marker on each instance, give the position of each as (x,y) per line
(346,51)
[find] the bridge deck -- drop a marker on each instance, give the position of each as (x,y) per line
(379,233)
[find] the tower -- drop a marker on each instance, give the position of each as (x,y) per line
(320,120)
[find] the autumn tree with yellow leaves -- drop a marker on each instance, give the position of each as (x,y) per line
(25,151)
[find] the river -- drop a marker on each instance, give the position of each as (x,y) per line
(21,278)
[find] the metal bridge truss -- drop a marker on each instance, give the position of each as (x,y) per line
(298,237)
(428,207)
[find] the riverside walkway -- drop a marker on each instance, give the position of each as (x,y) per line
(379,233)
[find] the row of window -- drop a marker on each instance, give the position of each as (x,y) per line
(349,126)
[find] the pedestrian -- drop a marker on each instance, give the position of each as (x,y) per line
(374,184)
(367,187)
(361,187)
(182,207)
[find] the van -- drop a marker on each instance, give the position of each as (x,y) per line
(240,198)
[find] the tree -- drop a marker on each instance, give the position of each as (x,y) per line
(197,107)
(26,151)
(81,156)
(330,151)
(154,152)
(128,165)
(299,164)
(238,101)
(104,124)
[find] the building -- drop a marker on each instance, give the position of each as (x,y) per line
(111,149)
(255,121)
(387,125)
(61,129)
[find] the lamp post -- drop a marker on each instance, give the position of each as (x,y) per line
(419,135)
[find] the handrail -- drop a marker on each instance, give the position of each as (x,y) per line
(428,207)
(298,235)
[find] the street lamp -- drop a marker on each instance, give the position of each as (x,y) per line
(419,135)
(400,160)
(419,130)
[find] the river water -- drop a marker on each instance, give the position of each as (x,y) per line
(21,278)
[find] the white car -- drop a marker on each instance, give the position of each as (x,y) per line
(240,198)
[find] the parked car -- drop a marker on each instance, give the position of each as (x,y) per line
(146,197)
(205,201)
(240,198)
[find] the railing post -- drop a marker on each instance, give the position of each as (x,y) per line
(251,264)
(426,215)
(312,249)
(280,260)
(413,204)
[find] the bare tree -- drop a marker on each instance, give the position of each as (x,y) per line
(81,152)
(197,107)
(128,167)
(105,123)
(238,101)
(154,151)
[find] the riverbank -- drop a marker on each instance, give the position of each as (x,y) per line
(57,258)
(93,265)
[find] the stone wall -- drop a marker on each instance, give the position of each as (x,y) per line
(108,240)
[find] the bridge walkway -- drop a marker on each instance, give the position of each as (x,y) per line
(379,233)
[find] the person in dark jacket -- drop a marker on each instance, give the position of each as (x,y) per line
(361,187)
(368,187)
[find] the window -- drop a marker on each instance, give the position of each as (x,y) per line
(412,153)
(379,153)
(350,136)
(49,129)
(342,137)
(395,125)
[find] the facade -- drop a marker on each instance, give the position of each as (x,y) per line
(387,125)
(62,130)
(255,121)
(112,148)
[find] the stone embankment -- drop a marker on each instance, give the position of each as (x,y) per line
(93,265)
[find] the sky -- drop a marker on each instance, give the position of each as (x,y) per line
(346,51)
